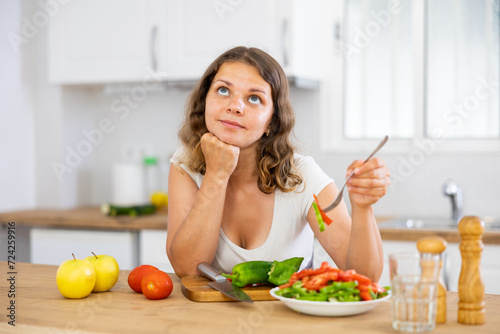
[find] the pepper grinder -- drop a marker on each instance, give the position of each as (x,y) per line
(470,283)
(436,245)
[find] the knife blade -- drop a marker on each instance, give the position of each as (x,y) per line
(221,284)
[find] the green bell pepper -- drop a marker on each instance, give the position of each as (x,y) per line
(281,272)
(250,272)
(320,220)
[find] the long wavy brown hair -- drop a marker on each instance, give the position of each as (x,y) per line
(274,150)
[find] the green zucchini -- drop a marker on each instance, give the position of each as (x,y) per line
(108,209)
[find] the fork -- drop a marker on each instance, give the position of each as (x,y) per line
(337,200)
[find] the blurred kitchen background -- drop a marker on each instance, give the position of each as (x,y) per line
(68,66)
(90,84)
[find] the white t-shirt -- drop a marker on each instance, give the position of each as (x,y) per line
(290,233)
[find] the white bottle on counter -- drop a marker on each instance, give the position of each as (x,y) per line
(128,184)
(152,176)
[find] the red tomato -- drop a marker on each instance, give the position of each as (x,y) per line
(364,292)
(136,275)
(362,279)
(365,295)
(346,276)
(157,285)
(375,287)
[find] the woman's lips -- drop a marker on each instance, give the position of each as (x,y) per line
(232,125)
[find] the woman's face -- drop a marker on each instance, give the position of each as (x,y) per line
(239,105)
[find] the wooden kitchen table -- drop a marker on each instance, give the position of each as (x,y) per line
(40,308)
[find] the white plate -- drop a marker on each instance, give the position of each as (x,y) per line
(336,309)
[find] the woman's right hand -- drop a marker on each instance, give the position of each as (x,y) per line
(220,157)
(195,211)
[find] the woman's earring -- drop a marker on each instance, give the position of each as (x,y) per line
(267,132)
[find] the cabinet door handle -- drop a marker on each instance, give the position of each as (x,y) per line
(446,271)
(152,47)
(337,36)
(284,35)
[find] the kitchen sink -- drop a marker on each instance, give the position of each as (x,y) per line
(433,223)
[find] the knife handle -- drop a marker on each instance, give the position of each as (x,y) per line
(210,272)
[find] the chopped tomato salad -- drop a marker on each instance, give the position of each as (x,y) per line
(327,283)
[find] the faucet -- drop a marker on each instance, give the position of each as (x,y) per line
(451,189)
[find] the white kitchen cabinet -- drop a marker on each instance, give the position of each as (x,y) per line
(21,253)
(452,263)
(152,249)
(94,41)
(131,40)
(53,245)
(196,32)
(490,267)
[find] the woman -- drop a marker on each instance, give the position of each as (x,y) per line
(239,192)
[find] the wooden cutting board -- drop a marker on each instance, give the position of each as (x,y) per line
(196,288)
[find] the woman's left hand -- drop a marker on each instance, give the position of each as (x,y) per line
(369,182)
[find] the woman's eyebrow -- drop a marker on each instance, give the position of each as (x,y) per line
(257,90)
(224,81)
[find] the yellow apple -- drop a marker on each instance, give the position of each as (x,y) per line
(75,278)
(106,271)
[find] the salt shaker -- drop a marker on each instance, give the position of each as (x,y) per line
(436,245)
(470,283)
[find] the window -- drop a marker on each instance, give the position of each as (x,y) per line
(378,77)
(415,70)
(462,71)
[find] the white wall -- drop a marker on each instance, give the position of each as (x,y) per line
(152,126)
(17,165)
(39,123)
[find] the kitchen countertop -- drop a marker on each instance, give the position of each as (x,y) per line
(91,218)
(40,308)
(84,217)
(395,234)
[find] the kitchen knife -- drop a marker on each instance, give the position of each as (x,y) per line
(221,284)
